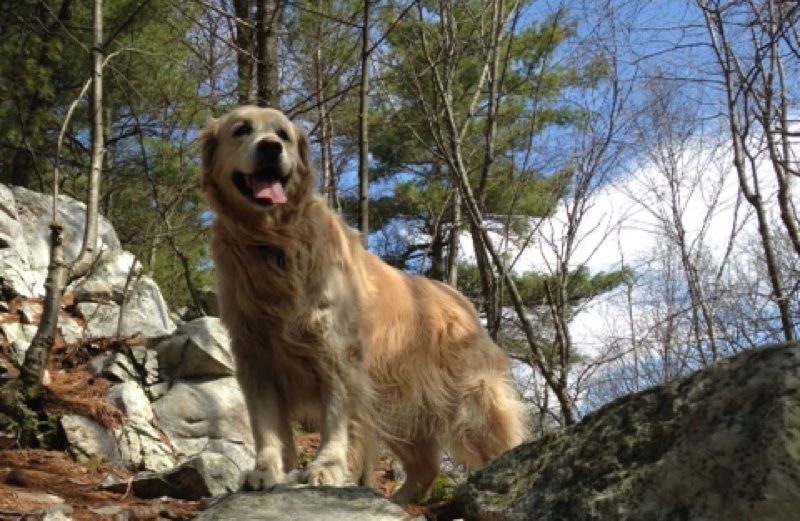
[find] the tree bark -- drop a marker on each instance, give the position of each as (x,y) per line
(59,273)
(363,133)
(268,16)
(245,67)
(453,245)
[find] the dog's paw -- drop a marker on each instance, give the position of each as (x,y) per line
(263,479)
(327,473)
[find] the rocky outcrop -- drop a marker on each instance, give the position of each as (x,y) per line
(184,422)
(115,281)
(722,444)
(309,504)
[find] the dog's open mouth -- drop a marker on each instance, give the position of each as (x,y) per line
(263,188)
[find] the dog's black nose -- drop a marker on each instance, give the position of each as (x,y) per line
(268,150)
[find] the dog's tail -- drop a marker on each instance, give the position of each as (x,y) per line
(490,418)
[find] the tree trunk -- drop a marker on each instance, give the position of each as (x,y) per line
(455,234)
(268,15)
(59,274)
(363,136)
(245,67)
(328,184)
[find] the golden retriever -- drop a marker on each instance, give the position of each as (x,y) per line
(322,329)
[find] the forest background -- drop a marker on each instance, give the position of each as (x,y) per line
(610,182)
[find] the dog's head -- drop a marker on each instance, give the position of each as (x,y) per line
(255,161)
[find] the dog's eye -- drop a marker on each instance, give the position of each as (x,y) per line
(242,130)
(283,134)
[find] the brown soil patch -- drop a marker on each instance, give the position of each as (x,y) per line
(26,475)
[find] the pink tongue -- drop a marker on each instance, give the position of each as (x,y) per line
(268,191)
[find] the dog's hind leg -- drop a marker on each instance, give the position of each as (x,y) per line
(420,459)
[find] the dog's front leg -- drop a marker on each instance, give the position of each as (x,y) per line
(271,432)
(330,465)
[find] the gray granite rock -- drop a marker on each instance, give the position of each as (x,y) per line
(88,439)
(19,337)
(200,348)
(720,445)
(135,363)
(146,314)
(307,503)
(34,212)
(205,475)
(141,445)
(220,474)
(206,415)
(115,272)
(71,330)
(17,277)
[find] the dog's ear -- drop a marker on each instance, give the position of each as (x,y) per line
(303,148)
(208,140)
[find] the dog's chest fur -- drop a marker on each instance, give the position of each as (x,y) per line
(293,298)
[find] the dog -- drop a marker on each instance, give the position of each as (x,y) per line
(322,330)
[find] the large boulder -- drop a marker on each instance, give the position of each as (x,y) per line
(146,314)
(207,415)
(35,212)
(114,273)
(200,348)
(309,504)
(722,444)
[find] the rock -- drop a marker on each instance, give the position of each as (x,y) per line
(71,330)
(146,314)
(34,212)
(58,513)
(205,475)
(115,272)
(17,278)
(220,474)
(722,444)
(156,391)
(200,348)
(307,503)
(19,337)
(88,439)
(140,364)
(29,312)
(207,415)
(141,446)
(129,398)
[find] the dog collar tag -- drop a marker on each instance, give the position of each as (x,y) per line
(280,259)
(273,254)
